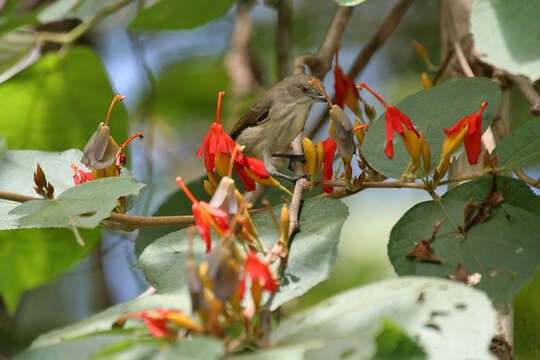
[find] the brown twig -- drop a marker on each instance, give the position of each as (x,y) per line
(284,30)
(442,68)
(362,59)
(321,62)
(238,60)
(121,219)
(520,174)
(462,60)
(526,87)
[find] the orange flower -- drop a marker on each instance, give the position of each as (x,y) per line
(205,216)
(346,91)
(394,121)
(216,140)
(468,129)
(259,273)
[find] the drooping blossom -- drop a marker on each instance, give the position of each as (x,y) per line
(216,140)
(395,121)
(205,216)
(346,91)
(468,129)
(261,277)
(329,152)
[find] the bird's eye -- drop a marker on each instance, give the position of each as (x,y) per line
(304,89)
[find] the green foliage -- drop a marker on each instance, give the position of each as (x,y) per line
(11,19)
(104,320)
(175,15)
(311,258)
(127,345)
(58,102)
(33,257)
(527,320)
(2,149)
(16,45)
(72,9)
(503,250)
(431,110)
(507,33)
(452,321)
(84,205)
(520,149)
(394,344)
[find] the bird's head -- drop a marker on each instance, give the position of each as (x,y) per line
(299,89)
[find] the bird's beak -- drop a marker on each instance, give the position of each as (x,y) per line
(319,97)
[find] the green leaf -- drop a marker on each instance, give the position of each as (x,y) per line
(507,33)
(11,19)
(58,102)
(103,321)
(451,320)
(431,110)
(74,9)
(29,258)
(311,258)
(84,205)
(520,149)
(2,149)
(176,15)
(19,50)
(504,250)
(350,2)
(127,345)
(527,320)
(393,343)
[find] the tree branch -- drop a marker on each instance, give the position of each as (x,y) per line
(526,87)
(284,30)
(362,59)
(118,219)
(520,174)
(321,62)
(82,28)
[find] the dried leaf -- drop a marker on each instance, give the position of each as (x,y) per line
(474,214)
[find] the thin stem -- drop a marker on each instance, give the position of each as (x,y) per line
(221,94)
(82,28)
(184,188)
(363,85)
(314,81)
(114,100)
(266,203)
(137,134)
(462,60)
(526,87)
(520,174)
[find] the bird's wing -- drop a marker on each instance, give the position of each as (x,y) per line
(256,114)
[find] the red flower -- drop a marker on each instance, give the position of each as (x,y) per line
(81,176)
(216,140)
(329,151)
(394,121)
(470,130)
(259,273)
(346,91)
(205,216)
(254,167)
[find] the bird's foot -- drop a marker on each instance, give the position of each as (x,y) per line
(292,158)
(292,179)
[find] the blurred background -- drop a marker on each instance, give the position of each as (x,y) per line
(171,80)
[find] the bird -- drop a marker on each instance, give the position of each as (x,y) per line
(268,127)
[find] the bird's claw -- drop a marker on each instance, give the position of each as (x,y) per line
(292,158)
(292,179)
